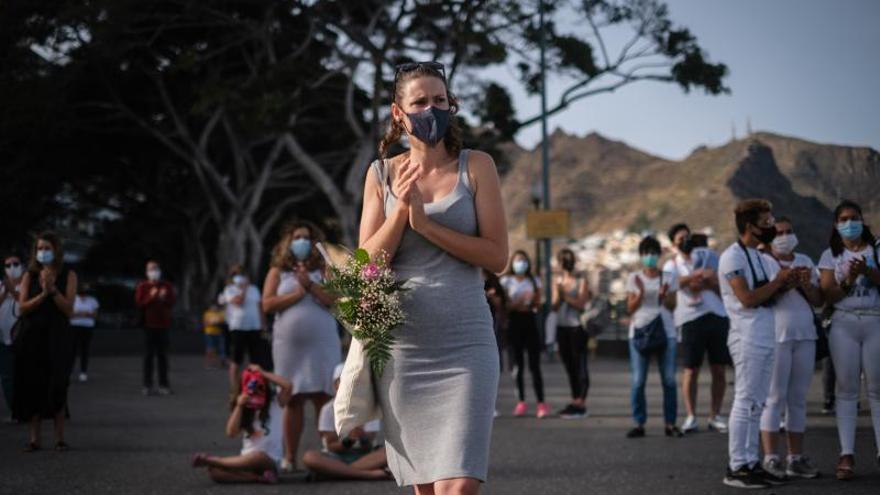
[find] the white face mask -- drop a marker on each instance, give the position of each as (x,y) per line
(154,275)
(238,279)
(785,244)
(14,271)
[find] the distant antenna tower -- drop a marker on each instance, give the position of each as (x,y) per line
(732,130)
(749,126)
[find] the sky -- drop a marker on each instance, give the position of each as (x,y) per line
(802,68)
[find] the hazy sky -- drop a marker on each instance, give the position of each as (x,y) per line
(805,68)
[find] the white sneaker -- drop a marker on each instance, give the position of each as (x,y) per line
(690,424)
(286,466)
(83,377)
(718,423)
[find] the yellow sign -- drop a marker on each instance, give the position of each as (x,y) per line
(547,224)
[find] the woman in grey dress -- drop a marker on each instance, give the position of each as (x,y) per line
(437,211)
(305,341)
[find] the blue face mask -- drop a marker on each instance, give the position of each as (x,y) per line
(238,279)
(520,267)
(850,230)
(301,248)
(45,256)
(430,125)
(650,260)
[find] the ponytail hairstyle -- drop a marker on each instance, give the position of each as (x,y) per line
(836,241)
(452,139)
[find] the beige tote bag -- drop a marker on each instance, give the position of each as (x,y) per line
(355,404)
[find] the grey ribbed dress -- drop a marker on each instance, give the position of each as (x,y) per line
(438,390)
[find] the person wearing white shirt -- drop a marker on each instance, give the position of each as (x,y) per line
(244,317)
(10,286)
(85,314)
(794,358)
(850,280)
(649,299)
(702,321)
(354,457)
(749,288)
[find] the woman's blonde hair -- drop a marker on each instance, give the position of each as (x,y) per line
(452,139)
(283,259)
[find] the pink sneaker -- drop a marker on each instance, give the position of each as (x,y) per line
(521,409)
(543,410)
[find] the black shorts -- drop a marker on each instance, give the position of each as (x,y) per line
(706,334)
(249,341)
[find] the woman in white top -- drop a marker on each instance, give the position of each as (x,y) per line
(794,358)
(245,320)
(650,297)
(256,416)
(524,296)
(850,279)
(85,314)
(305,338)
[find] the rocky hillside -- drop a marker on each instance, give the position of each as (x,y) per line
(609,185)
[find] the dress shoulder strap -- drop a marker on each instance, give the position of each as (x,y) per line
(463,169)
(381,169)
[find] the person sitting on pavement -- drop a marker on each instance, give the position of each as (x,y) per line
(257,417)
(354,457)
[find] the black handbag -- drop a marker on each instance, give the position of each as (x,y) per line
(651,337)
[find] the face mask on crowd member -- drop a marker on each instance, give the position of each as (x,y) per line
(429,125)
(650,260)
(567,262)
(45,256)
(785,243)
(766,234)
(238,279)
(520,266)
(154,274)
(13,268)
(301,248)
(851,229)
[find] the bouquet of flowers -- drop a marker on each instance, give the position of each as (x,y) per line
(368,303)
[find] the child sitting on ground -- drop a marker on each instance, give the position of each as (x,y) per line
(258,418)
(353,457)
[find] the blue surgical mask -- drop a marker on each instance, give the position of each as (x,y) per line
(650,260)
(238,279)
(850,230)
(301,248)
(45,256)
(429,125)
(520,267)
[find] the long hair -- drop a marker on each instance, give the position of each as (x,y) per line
(247,415)
(528,274)
(57,249)
(283,259)
(836,242)
(452,139)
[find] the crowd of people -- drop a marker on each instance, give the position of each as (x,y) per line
(752,307)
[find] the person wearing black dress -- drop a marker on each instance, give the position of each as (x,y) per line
(44,341)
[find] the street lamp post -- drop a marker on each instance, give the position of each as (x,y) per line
(537,195)
(545,155)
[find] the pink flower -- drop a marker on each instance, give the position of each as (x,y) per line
(370,271)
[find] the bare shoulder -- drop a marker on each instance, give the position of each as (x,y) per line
(482,169)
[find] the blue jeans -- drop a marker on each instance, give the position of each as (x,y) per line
(639,365)
(217,344)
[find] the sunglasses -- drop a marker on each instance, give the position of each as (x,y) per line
(12,264)
(411,66)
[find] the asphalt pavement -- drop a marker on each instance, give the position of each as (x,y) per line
(123,442)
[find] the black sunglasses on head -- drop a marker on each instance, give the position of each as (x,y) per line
(411,66)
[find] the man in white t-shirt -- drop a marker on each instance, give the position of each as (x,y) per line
(749,284)
(700,317)
(245,320)
(85,314)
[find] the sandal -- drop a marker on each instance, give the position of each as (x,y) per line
(31,447)
(845,465)
(60,446)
